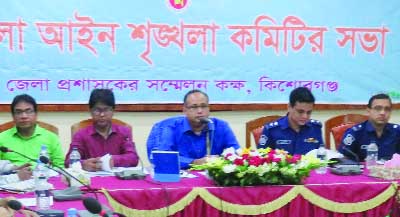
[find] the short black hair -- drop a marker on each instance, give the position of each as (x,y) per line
(23,98)
(379,96)
(301,94)
(105,96)
(192,92)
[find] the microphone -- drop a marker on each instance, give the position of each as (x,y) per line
(205,120)
(132,174)
(347,166)
(17,206)
(94,207)
(46,161)
(5,150)
(354,155)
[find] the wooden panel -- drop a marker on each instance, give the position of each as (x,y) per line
(178,107)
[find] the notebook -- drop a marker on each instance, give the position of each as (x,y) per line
(166,166)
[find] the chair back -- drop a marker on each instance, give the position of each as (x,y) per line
(84,123)
(256,126)
(47,126)
(338,125)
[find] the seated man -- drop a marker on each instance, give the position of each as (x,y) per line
(375,129)
(27,137)
(22,173)
(104,137)
(296,132)
(190,135)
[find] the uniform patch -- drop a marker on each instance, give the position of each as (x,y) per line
(283,142)
(311,140)
(263,140)
(395,126)
(349,139)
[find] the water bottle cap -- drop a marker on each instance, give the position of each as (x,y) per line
(72,211)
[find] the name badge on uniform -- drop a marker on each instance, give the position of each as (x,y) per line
(311,140)
(283,142)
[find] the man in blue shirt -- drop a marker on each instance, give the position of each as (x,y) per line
(195,136)
(296,132)
(375,129)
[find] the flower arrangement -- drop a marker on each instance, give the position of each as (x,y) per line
(258,167)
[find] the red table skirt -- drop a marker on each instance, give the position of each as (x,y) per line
(355,200)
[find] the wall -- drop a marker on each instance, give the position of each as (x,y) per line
(143,121)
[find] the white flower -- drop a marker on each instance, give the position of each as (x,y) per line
(230,150)
(229,168)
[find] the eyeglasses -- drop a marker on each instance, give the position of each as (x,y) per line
(98,111)
(22,112)
(196,107)
(381,108)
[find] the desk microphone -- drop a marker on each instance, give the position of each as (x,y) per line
(347,166)
(17,206)
(210,133)
(5,150)
(46,161)
(354,155)
(94,207)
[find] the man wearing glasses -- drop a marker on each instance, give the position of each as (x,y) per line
(27,137)
(194,135)
(104,137)
(296,132)
(376,129)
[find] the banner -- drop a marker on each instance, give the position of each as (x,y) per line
(253,51)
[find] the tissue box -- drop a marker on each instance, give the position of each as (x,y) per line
(380,171)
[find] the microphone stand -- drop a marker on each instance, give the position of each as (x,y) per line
(45,160)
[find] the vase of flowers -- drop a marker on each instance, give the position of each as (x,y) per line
(245,167)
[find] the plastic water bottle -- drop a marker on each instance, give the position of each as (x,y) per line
(372,155)
(321,154)
(72,212)
(74,157)
(42,187)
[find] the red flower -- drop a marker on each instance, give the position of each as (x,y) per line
(228,155)
(238,161)
(293,159)
(245,156)
(255,161)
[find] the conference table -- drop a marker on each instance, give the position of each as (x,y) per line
(319,195)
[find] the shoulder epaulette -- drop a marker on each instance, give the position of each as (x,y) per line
(315,122)
(357,127)
(272,124)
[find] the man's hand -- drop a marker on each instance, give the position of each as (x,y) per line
(24,173)
(92,164)
(28,213)
(204,160)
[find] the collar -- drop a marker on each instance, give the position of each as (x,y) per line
(93,130)
(370,128)
(284,123)
(38,131)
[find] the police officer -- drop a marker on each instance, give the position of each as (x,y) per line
(296,132)
(375,129)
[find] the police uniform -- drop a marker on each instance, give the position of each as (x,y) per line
(279,135)
(358,137)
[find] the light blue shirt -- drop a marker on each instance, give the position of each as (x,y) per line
(175,134)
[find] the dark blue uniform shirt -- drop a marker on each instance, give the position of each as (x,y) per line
(279,135)
(175,134)
(358,137)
